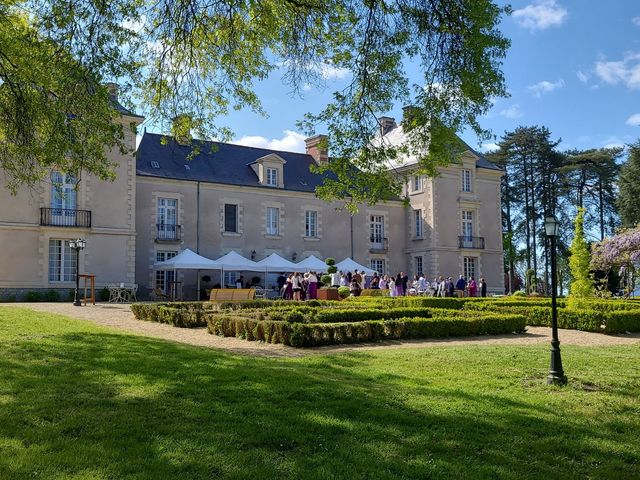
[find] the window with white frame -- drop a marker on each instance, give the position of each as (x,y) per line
(417,221)
(167,218)
(230,218)
(164,278)
(417,261)
(63,199)
(63,191)
(62,261)
(272,177)
(376,230)
(466,181)
(469,267)
(311,223)
(273,221)
(416,183)
(467,224)
(377,264)
(230,279)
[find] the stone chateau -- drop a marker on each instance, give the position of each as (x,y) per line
(251,200)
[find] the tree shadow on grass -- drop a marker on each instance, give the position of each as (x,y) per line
(117,406)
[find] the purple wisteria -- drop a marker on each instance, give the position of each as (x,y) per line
(622,250)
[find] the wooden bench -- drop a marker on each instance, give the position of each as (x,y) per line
(374,292)
(232,294)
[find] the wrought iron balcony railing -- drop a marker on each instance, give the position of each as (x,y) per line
(378,245)
(471,242)
(65,217)
(168,233)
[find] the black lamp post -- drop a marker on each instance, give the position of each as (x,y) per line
(556,373)
(77,245)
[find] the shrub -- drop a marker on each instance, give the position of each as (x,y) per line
(344,292)
(178,314)
(249,328)
(326,280)
(622,321)
(51,296)
(312,335)
(103,294)
(32,296)
(359,315)
(519,293)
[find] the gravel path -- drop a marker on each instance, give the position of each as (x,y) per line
(119,316)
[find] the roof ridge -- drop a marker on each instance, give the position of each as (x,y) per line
(232,144)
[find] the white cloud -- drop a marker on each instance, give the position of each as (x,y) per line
(488,147)
(612,142)
(290,142)
(634,120)
(540,15)
(512,112)
(583,77)
(636,21)
(545,86)
(331,72)
(625,71)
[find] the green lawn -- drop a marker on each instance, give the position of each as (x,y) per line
(78,401)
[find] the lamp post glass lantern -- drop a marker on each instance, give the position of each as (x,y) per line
(556,373)
(77,245)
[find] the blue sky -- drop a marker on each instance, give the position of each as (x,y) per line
(573,66)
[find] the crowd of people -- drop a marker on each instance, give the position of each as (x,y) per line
(304,286)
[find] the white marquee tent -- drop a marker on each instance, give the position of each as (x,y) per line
(188,260)
(235,262)
(350,265)
(275,263)
(311,263)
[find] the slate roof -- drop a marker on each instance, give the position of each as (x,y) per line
(226,163)
(122,110)
(482,161)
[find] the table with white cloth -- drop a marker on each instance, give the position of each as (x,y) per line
(123,292)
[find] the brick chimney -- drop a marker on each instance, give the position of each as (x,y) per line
(387,124)
(113,91)
(318,148)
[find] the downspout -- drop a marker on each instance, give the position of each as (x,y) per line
(351,227)
(198,218)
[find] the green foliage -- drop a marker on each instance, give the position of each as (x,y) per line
(33,296)
(313,335)
(344,292)
(179,69)
(55,113)
(178,314)
(581,283)
(51,296)
(326,280)
(103,294)
(629,188)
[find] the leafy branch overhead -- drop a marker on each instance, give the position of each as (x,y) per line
(202,59)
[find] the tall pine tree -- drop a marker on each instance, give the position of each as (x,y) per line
(629,185)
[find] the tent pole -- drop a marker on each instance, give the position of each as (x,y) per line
(198,287)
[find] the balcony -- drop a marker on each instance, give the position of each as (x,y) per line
(64,217)
(168,233)
(471,242)
(378,245)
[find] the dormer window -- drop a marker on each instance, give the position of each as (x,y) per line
(269,170)
(272,177)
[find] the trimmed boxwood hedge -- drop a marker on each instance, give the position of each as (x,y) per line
(178,314)
(315,334)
